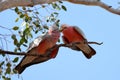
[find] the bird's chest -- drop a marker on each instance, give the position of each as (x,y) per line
(71,35)
(45,45)
(51,42)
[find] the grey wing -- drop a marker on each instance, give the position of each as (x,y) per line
(37,41)
(79,31)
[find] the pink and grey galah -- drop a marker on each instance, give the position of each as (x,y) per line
(40,46)
(74,34)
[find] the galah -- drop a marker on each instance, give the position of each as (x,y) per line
(73,34)
(40,46)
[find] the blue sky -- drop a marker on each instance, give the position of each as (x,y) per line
(98,25)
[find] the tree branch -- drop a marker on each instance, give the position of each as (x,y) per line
(6,4)
(96,3)
(48,51)
(71,44)
(17,53)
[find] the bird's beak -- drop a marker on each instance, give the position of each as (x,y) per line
(61,29)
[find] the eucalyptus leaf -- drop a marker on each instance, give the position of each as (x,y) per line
(15,59)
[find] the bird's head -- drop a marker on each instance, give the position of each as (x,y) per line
(63,27)
(54,27)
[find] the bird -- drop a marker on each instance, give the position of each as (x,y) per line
(40,45)
(73,34)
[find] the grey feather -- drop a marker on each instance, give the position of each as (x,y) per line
(79,31)
(37,41)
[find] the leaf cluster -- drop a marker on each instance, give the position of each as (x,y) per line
(32,22)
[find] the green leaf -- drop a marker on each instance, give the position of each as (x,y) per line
(54,5)
(26,31)
(22,40)
(15,28)
(1,63)
(64,8)
(15,41)
(3,77)
(22,15)
(58,8)
(15,50)
(15,59)
(30,35)
(47,20)
(55,13)
(8,78)
(24,8)
(60,2)
(36,31)
(19,49)
(3,55)
(46,27)
(15,71)
(16,19)
(37,12)
(13,36)
(18,45)
(8,70)
(26,41)
(25,45)
(8,64)
(16,9)
(27,18)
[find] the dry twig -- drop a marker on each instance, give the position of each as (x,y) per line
(48,51)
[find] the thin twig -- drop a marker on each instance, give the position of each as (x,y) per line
(96,3)
(9,29)
(17,53)
(48,52)
(71,44)
(95,43)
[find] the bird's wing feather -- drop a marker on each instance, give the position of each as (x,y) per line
(37,41)
(54,52)
(65,40)
(79,31)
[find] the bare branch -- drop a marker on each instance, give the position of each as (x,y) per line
(17,53)
(6,28)
(96,3)
(95,43)
(6,4)
(48,51)
(71,44)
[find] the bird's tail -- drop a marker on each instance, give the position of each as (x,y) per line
(89,53)
(20,68)
(28,61)
(25,62)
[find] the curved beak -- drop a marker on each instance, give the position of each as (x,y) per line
(61,29)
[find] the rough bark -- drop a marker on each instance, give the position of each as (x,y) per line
(6,4)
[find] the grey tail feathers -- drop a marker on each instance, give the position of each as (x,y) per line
(19,68)
(89,55)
